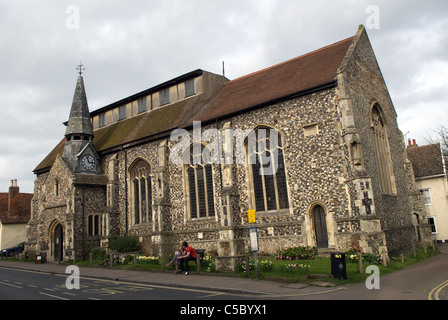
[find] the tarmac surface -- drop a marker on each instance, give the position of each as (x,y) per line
(203,281)
(257,288)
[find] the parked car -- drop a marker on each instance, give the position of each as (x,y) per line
(10,252)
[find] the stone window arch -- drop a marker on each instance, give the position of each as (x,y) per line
(199,183)
(382,150)
(266,169)
(141,192)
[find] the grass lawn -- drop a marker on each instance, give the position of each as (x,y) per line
(322,266)
(291,270)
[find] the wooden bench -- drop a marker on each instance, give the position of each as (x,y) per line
(200,253)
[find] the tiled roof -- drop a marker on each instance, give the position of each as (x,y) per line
(293,77)
(133,129)
(426,160)
(303,74)
(24,208)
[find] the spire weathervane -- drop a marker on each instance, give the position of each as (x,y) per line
(80,68)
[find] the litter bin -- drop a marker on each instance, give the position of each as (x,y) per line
(338,267)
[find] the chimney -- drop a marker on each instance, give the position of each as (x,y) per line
(412,144)
(13,198)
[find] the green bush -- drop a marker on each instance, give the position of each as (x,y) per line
(125,243)
(98,253)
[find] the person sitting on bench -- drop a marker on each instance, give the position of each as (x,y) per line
(175,259)
(189,254)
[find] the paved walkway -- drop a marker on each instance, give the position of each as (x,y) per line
(222,283)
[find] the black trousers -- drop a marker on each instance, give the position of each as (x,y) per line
(185,261)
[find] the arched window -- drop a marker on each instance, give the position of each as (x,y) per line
(141,192)
(267,170)
(382,151)
(199,186)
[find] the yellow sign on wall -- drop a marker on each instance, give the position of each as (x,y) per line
(251,215)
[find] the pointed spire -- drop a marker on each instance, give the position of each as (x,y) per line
(79,120)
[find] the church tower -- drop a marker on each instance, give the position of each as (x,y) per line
(79,152)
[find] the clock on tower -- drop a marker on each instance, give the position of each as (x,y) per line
(88,162)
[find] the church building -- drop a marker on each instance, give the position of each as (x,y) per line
(311,145)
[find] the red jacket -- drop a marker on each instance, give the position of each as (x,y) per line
(191,250)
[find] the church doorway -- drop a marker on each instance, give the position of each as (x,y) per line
(320,227)
(57,241)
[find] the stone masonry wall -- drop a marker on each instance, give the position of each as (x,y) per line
(365,85)
(315,166)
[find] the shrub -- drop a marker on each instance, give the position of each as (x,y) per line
(125,243)
(98,253)
(297,253)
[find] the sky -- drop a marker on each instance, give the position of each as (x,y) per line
(129,46)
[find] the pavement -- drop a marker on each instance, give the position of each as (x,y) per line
(221,283)
(202,281)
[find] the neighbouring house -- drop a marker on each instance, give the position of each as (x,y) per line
(15,212)
(311,145)
(430,170)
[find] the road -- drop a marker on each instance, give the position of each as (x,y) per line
(32,285)
(427,280)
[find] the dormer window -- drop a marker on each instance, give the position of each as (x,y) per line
(164,96)
(122,113)
(142,105)
(102,120)
(189,88)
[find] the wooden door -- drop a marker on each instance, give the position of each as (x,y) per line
(58,240)
(320,227)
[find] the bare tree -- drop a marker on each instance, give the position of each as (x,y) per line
(441,136)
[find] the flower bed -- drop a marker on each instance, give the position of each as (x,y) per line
(148,260)
(352,256)
(298,253)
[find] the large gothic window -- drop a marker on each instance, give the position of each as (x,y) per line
(141,192)
(382,151)
(267,170)
(199,184)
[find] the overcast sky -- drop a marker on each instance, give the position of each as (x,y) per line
(129,46)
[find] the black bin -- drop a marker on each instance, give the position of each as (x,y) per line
(338,267)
